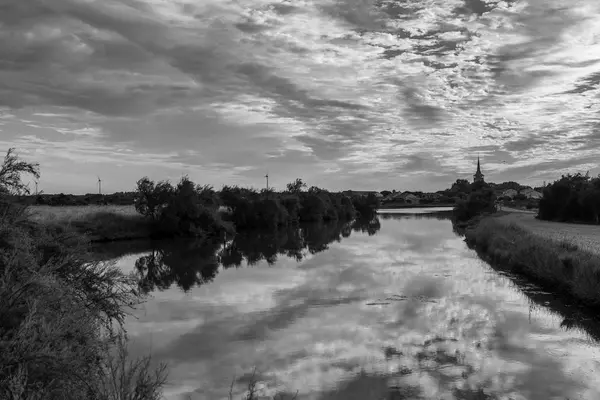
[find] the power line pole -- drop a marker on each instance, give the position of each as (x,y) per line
(99,185)
(36,188)
(267,176)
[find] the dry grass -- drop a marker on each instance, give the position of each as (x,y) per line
(586,237)
(560,265)
(69,213)
(99,223)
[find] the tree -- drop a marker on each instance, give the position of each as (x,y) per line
(296,186)
(11,171)
(151,198)
(461,185)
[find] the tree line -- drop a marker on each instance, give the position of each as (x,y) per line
(188,209)
(573,197)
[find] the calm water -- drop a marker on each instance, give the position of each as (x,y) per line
(398,308)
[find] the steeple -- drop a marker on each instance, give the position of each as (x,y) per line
(478,177)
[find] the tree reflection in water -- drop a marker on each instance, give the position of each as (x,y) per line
(192,263)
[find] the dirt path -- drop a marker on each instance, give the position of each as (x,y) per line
(587,237)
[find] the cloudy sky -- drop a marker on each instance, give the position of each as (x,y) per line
(360,94)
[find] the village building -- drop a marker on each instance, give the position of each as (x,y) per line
(509,193)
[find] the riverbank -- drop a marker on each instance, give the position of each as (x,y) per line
(586,237)
(542,253)
(99,223)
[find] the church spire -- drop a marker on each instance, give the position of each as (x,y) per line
(478,177)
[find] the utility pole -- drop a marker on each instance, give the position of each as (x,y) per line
(267,176)
(99,185)
(36,188)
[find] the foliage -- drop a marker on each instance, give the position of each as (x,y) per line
(571,198)
(296,186)
(478,202)
(60,316)
(461,186)
(152,198)
(366,206)
(183,210)
(10,174)
(249,209)
(560,265)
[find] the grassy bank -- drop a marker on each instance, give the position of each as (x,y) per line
(586,237)
(98,222)
(559,265)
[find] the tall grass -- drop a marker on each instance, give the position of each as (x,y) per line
(557,264)
(61,318)
(99,223)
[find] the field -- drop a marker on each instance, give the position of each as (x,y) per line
(586,237)
(99,223)
(68,213)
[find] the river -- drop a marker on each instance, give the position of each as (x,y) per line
(397,308)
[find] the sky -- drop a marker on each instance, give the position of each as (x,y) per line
(345,94)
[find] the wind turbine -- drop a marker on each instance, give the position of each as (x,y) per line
(99,185)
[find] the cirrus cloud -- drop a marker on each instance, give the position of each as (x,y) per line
(360,94)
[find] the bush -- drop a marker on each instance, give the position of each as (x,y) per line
(249,209)
(184,210)
(60,314)
(571,198)
(480,201)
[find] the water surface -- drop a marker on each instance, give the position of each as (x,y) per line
(391,309)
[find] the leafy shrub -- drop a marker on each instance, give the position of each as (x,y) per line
(184,210)
(478,202)
(61,314)
(571,198)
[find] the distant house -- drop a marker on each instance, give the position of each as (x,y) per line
(362,193)
(509,193)
(410,198)
(431,196)
(532,194)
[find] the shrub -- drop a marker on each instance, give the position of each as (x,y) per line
(60,314)
(479,202)
(571,198)
(184,210)
(366,206)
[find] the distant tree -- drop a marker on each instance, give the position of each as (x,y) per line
(10,174)
(385,193)
(296,186)
(461,185)
(151,198)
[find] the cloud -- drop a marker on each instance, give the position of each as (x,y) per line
(343,81)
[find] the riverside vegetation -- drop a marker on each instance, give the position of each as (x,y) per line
(62,314)
(560,266)
(164,210)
